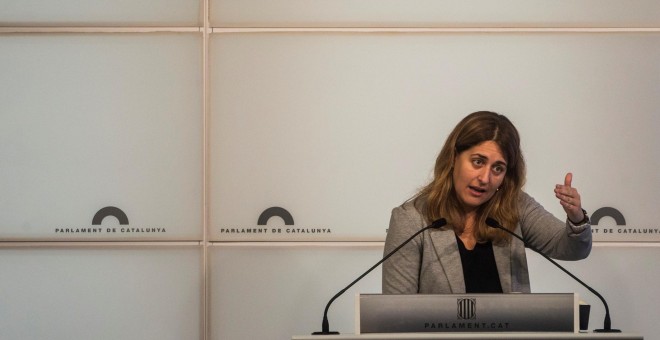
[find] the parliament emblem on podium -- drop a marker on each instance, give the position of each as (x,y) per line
(467,309)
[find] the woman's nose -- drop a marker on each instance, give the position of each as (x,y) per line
(484,175)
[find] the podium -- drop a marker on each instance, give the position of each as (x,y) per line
(471,313)
(475,336)
(468,317)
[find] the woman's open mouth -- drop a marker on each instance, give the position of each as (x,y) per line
(477,191)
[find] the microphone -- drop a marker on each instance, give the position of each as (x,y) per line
(607,324)
(325,326)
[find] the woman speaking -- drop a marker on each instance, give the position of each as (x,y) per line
(479,174)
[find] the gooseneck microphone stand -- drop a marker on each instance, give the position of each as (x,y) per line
(607,324)
(325,326)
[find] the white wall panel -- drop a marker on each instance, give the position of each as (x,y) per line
(624,276)
(273,291)
(100,13)
(434,13)
(95,120)
(338,128)
(100,293)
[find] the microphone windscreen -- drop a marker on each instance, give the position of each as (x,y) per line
(492,223)
(439,223)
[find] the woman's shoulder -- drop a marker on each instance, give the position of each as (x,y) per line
(409,205)
(525,200)
(408,212)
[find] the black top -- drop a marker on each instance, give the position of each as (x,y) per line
(479,268)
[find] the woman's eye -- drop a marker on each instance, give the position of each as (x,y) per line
(498,169)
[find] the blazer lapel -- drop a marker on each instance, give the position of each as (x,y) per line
(444,243)
(503,261)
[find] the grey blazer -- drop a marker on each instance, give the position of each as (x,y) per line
(431,263)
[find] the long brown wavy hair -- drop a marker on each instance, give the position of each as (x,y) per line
(439,199)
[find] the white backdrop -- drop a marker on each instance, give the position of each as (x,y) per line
(198,117)
(339,128)
(96,120)
(434,13)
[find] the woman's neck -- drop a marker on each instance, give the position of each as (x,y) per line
(468,234)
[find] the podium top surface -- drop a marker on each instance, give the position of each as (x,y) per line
(475,336)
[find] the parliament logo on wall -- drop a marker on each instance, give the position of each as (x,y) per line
(97,226)
(273,222)
(603,230)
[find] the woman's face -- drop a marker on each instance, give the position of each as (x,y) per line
(478,173)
